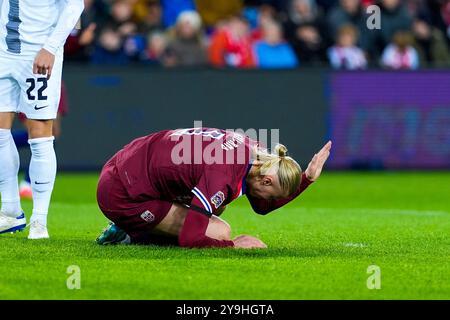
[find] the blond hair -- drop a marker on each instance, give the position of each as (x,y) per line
(286,168)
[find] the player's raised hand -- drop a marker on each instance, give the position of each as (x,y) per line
(43,63)
(248,242)
(316,165)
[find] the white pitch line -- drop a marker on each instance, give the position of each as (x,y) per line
(354,245)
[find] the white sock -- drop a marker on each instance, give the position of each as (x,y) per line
(9,169)
(42,174)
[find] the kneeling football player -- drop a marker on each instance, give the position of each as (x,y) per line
(171,186)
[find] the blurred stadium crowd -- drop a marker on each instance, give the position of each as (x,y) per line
(262,33)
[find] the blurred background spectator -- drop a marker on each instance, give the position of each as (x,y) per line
(400,54)
(78,46)
(258,33)
(172,8)
(305,30)
(109,48)
(345,54)
(349,12)
(213,12)
(272,51)
(156,47)
(186,48)
(148,14)
(394,17)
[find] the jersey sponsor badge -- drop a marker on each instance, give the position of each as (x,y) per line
(218,199)
(148,216)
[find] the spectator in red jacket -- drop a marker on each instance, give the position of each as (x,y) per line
(231,45)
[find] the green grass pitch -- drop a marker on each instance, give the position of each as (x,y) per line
(320,247)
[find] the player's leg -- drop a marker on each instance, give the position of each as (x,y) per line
(11,215)
(39,102)
(9,168)
(20,137)
(155,222)
(42,172)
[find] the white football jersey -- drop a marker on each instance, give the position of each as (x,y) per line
(25,25)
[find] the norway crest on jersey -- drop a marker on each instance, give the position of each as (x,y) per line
(218,199)
(148,216)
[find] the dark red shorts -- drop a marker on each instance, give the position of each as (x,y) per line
(136,217)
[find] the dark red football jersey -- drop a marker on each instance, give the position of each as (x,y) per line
(204,167)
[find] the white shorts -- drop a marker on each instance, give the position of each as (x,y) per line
(28,93)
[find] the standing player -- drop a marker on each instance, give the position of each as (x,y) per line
(172,185)
(32,35)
